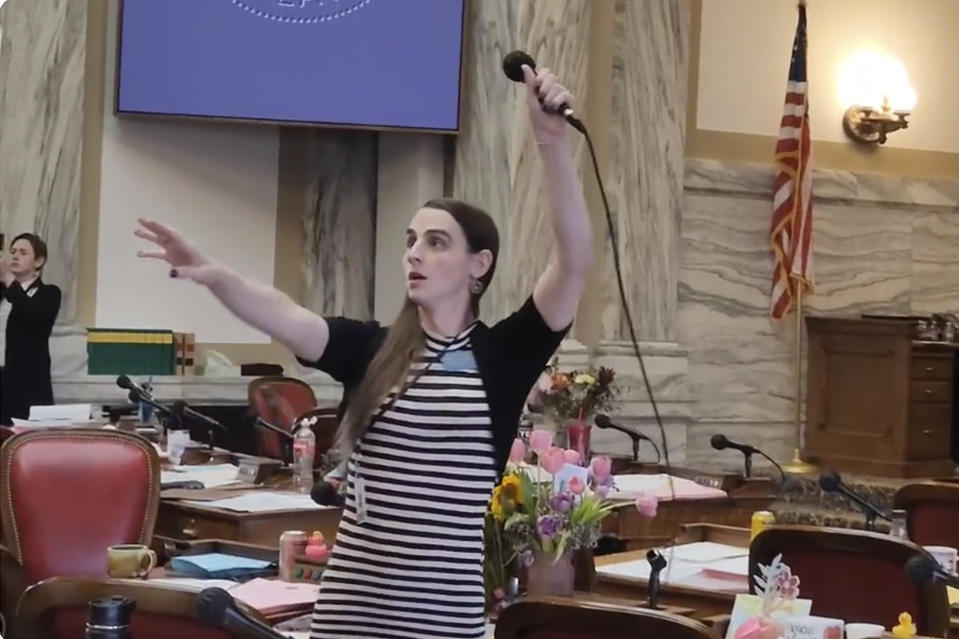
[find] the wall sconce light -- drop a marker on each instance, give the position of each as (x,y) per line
(878,88)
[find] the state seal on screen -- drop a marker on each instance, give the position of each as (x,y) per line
(301,11)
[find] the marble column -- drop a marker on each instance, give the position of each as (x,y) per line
(496,164)
(329,178)
(42,52)
(645,170)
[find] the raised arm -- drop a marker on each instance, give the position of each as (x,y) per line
(261,306)
(559,288)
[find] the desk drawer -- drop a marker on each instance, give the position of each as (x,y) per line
(930,391)
(939,368)
(175,523)
(929,434)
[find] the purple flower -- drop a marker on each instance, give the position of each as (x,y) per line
(602,491)
(547,526)
(561,502)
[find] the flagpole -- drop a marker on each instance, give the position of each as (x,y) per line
(797,466)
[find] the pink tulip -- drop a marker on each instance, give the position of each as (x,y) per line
(570,456)
(577,486)
(540,440)
(601,466)
(552,460)
(647,504)
(518,452)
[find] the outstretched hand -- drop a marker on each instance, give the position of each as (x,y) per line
(185,260)
(544,97)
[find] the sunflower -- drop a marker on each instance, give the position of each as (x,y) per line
(506,497)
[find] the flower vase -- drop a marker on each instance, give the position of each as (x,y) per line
(550,576)
(577,438)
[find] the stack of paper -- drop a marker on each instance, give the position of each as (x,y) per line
(210,475)
(270,597)
(58,416)
(703,564)
(260,501)
(629,487)
(217,565)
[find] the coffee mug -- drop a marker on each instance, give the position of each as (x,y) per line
(945,555)
(130,560)
(864,630)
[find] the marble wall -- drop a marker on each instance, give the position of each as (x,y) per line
(42,53)
(645,171)
(328,179)
(496,165)
(881,244)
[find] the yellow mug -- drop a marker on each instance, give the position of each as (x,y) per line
(130,560)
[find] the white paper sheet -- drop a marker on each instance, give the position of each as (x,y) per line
(211,475)
(69,412)
(706,551)
(699,564)
(258,501)
(628,487)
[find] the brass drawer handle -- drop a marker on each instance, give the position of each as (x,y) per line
(927,391)
(927,432)
(929,369)
(191,531)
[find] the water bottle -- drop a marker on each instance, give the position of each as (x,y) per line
(898,526)
(109,618)
(304,451)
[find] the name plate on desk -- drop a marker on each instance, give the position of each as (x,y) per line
(257,471)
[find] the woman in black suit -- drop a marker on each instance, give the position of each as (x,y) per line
(31,308)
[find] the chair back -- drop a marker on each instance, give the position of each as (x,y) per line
(854,575)
(57,609)
(932,512)
(560,618)
(6,432)
(278,400)
(66,495)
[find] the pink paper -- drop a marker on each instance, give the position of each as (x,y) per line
(270,596)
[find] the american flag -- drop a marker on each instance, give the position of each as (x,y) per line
(791,233)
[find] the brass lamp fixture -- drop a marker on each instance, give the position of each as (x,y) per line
(870,126)
(878,87)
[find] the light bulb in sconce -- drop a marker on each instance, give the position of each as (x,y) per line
(876,87)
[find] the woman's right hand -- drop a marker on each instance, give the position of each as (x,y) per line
(185,260)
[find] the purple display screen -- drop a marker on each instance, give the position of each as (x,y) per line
(370,63)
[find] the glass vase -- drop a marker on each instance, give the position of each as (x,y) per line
(550,576)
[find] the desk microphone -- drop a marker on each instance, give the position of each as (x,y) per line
(603,421)
(656,565)
(124,382)
(216,607)
(720,442)
(831,482)
(923,569)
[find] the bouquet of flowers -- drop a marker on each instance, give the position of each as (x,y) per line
(573,394)
(536,517)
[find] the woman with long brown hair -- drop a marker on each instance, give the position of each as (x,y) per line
(432,402)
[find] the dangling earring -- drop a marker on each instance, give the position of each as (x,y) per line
(476,287)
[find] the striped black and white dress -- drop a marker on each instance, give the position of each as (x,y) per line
(412,567)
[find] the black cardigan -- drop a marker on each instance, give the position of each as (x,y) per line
(26,375)
(510,357)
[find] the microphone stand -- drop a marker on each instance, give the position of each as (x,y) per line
(656,563)
(167,415)
(287,437)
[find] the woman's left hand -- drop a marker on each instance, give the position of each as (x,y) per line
(544,90)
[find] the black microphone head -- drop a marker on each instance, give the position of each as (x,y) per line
(719,442)
(602,421)
(513,65)
(325,494)
(920,569)
(125,382)
(211,605)
(655,559)
(830,481)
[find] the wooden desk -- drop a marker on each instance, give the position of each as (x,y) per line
(704,603)
(179,520)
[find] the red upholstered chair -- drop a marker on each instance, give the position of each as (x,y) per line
(932,512)
(65,495)
(854,575)
(560,618)
(279,401)
(57,609)
(6,432)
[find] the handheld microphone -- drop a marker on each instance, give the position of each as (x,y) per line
(831,482)
(513,68)
(603,421)
(216,607)
(656,564)
(923,569)
(325,494)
